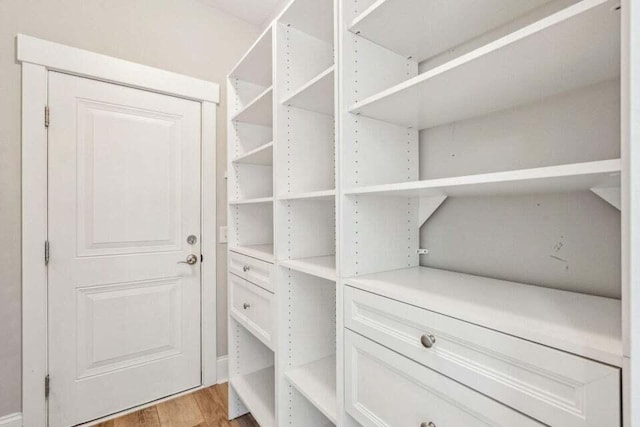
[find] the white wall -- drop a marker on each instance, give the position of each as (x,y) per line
(184,36)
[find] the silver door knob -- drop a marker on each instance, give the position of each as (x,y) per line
(428,340)
(191,259)
(429,424)
(245,268)
(245,305)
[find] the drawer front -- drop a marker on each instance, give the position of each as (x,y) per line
(237,264)
(254,270)
(253,307)
(383,388)
(552,386)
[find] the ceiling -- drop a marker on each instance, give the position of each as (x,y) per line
(256,12)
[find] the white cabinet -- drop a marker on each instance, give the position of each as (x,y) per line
(252,306)
(384,388)
(552,386)
(252,269)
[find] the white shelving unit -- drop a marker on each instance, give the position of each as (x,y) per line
(435,196)
(251,144)
(480,163)
(306,213)
(282,221)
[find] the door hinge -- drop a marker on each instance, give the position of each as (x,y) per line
(46,252)
(46,116)
(47,386)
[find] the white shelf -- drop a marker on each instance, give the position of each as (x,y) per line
(251,201)
(317,195)
(425,28)
(576,47)
(255,66)
(259,111)
(257,392)
(322,266)
(317,382)
(578,176)
(263,252)
(582,324)
(262,155)
(316,95)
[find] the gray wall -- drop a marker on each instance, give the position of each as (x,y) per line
(183,36)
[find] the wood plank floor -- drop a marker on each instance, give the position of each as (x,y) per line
(202,408)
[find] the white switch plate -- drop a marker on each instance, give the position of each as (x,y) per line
(222,237)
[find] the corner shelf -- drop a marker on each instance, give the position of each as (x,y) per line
(263,252)
(572,177)
(259,111)
(251,201)
(575,47)
(322,266)
(257,392)
(317,382)
(316,95)
(418,36)
(581,324)
(262,155)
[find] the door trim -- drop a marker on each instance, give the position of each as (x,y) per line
(39,57)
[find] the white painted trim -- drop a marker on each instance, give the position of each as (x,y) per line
(11,420)
(34,234)
(208,244)
(38,57)
(223,369)
(57,57)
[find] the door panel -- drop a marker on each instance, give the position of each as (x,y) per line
(114,334)
(124,194)
(128,194)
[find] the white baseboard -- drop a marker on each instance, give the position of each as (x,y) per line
(11,420)
(222,369)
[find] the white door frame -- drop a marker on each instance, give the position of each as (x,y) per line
(38,57)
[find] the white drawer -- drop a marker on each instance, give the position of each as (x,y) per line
(551,386)
(253,307)
(383,388)
(252,269)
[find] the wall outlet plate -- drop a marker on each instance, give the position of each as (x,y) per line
(222,234)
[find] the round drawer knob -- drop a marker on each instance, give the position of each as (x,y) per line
(429,424)
(246,305)
(245,268)
(428,341)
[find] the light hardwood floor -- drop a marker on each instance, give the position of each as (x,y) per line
(202,408)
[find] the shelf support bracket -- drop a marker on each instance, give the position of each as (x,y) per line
(428,205)
(610,195)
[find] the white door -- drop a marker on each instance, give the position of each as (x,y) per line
(124,195)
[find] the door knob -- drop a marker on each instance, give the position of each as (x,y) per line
(191,259)
(429,424)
